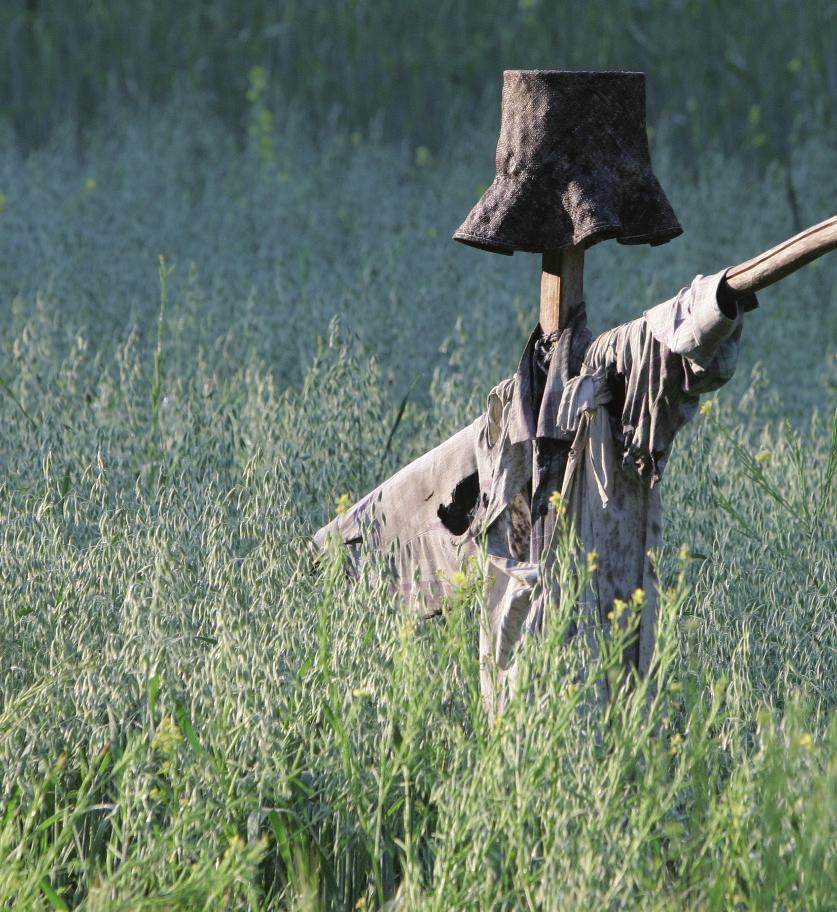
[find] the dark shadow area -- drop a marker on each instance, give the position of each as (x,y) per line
(458,513)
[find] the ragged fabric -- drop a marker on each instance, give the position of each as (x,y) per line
(594,421)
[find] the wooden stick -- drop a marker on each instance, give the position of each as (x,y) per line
(562,286)
(781,260)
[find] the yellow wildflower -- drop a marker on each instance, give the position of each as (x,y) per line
(619,608)
(638,599)
(342,504)
(459,579)
(706,408)
(685,553)
(168,736)
(805,741)
(235,847)
(763,457)
(592,561)
(558,503)
(674,744)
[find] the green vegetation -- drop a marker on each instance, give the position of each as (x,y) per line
(192,714)
(759,76)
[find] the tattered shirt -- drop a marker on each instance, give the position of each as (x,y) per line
(592,419)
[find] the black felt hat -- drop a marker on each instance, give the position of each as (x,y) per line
(572,166)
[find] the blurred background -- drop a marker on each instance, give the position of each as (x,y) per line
(298,161)
(751,77)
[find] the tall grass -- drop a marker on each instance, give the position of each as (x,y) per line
(195,715)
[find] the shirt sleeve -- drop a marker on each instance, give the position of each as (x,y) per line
(693,326)
(659,364)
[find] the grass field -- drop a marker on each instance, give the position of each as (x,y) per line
(194,716)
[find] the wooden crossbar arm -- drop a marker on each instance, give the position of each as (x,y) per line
(562,276)
(781,260)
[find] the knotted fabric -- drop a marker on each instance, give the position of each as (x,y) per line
(559,356)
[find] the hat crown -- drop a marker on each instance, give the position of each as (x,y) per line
(572,166)
(554,118)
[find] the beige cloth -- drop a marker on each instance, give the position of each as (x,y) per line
(472,496)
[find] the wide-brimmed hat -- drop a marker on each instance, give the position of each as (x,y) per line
(572,166)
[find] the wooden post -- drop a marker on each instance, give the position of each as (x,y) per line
(562,286)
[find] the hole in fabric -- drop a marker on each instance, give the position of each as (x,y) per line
(457,515)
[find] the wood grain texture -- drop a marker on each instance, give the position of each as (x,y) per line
(562,286)
(781,260)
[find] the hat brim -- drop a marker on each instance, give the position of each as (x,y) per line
(521,213)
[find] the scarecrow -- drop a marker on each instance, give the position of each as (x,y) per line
(583,429)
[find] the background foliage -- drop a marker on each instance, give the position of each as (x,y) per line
(748,74)
(193,715)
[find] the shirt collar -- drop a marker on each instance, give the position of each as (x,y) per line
(523,421)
